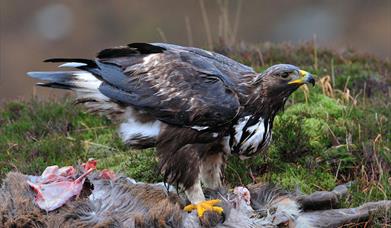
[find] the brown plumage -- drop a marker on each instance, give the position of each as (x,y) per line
(195,106)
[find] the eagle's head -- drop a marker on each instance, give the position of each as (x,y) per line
(280,80)
(277,82)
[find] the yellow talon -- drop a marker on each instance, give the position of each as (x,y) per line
(203,206)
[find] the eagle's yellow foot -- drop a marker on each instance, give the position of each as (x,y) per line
(203,206)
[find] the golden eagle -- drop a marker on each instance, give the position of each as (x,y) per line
(196,107)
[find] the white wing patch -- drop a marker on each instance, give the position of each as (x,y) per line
(256,135)
(239,128)
(133,128)
(151,59)
(199,128)
(87,87)
(87,80)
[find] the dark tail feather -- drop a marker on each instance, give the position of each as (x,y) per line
(54,85)
(87,62)
(81,64)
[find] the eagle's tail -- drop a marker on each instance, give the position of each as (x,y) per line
(74,80)
(85,83)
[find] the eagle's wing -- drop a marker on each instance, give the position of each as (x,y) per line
(226,65)
(177,85)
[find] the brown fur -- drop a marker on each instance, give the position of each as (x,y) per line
(17,208)
(140,205)
(125,203)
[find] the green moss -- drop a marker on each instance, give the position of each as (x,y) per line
(238,172)
(34,135)
(140,165)
(308,181)
(305,128)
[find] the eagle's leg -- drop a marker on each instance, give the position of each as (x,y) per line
(210,175)
(194,193)
(210,170)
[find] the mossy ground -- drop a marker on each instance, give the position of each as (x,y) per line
(323,138)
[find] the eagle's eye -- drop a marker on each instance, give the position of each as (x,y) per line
(284,74)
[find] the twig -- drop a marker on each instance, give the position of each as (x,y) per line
(34,92)
(332,72)
(236,23)
(162,35)
(336,174)
(189,32)
(365,88)
(206,24)
(379,166)
(315,53)
(346,83)
(252,176)
(220,27)
(236,172)
(334,140)
(260,55)
(88,128)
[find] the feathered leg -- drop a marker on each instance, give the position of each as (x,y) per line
(194,193)
(210,170)
(210,175)
(180,163)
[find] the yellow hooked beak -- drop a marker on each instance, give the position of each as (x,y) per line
(304,78)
